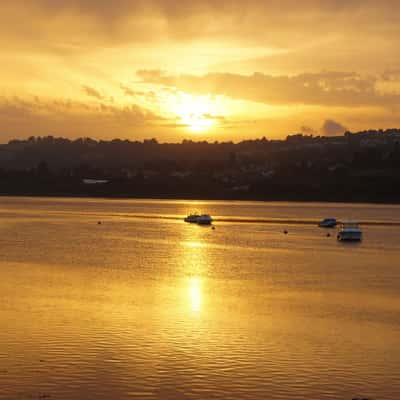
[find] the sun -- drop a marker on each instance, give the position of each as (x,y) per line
(197,113)
(197,123)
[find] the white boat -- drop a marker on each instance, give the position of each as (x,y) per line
(328,223)
(192,218)
(349,231)
(204,219)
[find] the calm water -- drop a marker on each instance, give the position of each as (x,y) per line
(145,306)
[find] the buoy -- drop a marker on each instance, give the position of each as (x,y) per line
(213,227)
(285,232)
(328,235)
(98,222)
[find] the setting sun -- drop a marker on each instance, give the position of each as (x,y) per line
(197,113)
(197,123)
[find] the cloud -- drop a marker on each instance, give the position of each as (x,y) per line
(278,22)
(130,92)
(92,92)
(34,116)
(332,128)
(341,89)
(307,130)
(148,95)
(213,117)
(391,75)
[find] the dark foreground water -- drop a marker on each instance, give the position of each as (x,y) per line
(145,306)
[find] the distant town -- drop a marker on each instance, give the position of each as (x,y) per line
(358,167)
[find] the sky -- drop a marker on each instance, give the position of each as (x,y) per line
(200,69)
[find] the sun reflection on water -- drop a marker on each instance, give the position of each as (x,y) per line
(195,266)
(195,294)
(194,244)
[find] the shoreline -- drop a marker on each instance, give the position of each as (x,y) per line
(201,198)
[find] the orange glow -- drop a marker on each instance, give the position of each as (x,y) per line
(156,69)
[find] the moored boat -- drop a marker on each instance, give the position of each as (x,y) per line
(204,219)
(328,223)
(192,218)
(349,231)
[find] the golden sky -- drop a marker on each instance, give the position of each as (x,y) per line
(198,69)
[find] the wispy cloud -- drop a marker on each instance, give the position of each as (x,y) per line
(34,116)
(92,92)
(340,89)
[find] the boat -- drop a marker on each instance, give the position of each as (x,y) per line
(349,231)
(204,219)
(192,218)
(195,218)
(328,223)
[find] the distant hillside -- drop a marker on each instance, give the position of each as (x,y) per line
(362,166)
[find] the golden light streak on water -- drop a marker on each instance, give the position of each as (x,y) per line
(160,309)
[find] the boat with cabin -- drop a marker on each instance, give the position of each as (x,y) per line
(192,218)
(200,219)
(204,219)
(349,231)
